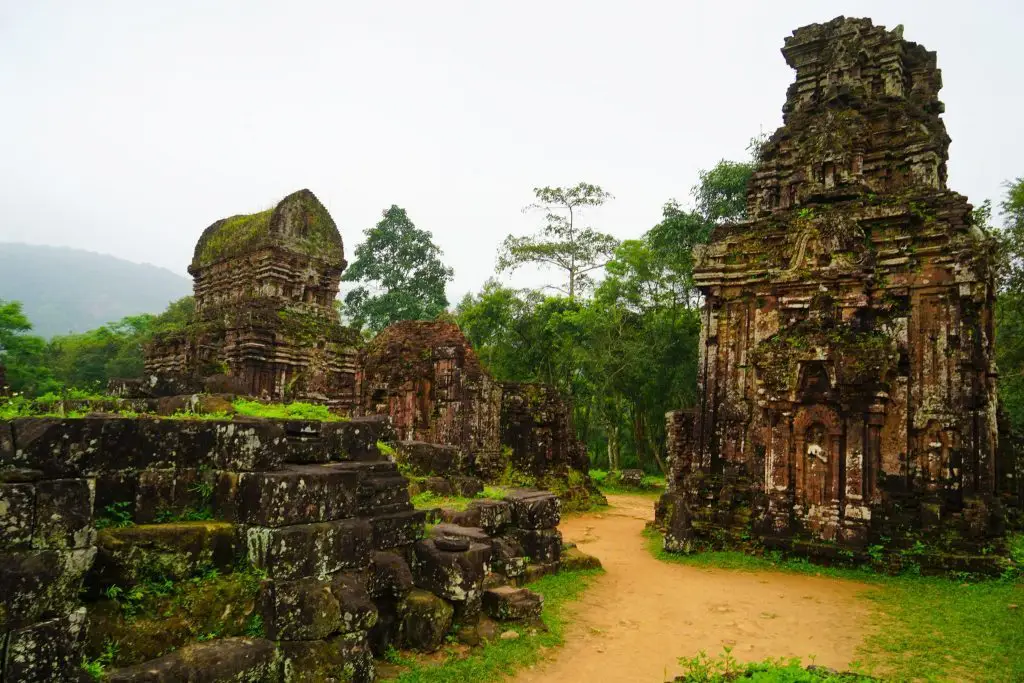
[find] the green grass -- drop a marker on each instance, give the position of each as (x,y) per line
(286,411)
(428,500)
(725,667)
(925,628)
(610,482)
(495,660)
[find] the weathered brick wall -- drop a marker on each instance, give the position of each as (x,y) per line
(847,370)
(537,424)
(426,376)
(428,379)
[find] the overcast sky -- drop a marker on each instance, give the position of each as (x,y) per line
(128,127)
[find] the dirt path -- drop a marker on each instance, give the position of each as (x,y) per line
(636,620)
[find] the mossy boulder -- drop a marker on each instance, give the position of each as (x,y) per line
(425,621)
(341,659)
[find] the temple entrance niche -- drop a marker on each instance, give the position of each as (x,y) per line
(816,464)
(818,431)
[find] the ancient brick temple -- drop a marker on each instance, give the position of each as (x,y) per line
(847,374)
(426,376)
(265,286)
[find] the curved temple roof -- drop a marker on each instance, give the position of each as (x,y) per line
(299,223)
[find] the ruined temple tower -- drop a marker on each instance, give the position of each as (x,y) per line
(847,381)
(265,286)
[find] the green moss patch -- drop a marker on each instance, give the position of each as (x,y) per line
(164,616)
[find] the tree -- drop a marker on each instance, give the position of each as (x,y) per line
(22,353)
(401,273)
(562,242)
(721,194)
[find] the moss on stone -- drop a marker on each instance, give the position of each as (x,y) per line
(169,617)
(299,223)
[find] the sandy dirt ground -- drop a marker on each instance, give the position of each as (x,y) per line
(636,620)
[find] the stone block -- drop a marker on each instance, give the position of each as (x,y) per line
(165,493)
(360,435)
(472,534)
(310,550)
(574,559)
(381,489)
(228,660)
(425,621)
(390,575)
(47,651)
(541,545)
(454,575)
(314,609)
(431,459)
(17,515)
(296,494)
(248,445)
(341,659)
(38,585)
(508,557)
(533,509)
(495,515)
(465,486)
(6,446)
(56,447)
(439,486)
(173,551)
(512,604)
(64,517)
(397,529)
(632,478)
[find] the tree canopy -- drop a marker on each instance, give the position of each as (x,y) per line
(562,242)
(400,275)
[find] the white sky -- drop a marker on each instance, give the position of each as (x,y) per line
(128,127)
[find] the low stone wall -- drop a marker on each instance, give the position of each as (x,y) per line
(261,550)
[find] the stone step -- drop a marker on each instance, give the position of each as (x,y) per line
(294,494)
(230,660)
(175,551)
(534,509)
(396,529)
(300,551)
(506,603)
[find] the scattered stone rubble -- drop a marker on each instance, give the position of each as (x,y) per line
(293,547)
(847,371)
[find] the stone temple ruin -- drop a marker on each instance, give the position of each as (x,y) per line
(265,286)
(427,378)
(847,381)
(182,547)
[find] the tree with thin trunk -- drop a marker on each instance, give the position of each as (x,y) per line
(562,243)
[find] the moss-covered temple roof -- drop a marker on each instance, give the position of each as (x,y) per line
(298,223)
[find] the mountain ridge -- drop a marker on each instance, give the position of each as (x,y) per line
(68,290)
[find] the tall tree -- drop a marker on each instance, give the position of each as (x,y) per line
(22,353)
(400,273)
(563,243)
